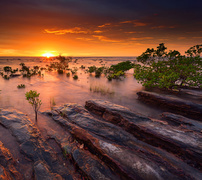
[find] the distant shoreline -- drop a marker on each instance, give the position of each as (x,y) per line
(66,56)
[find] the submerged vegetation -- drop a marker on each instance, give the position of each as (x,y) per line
(74,70)
(68,74)
(52,102)
(21,86)
(9,72)
(112,72)
(170,70)
(75,77)
(101,89)
(27,72)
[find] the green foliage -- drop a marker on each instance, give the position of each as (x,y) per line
(60,71)
(61,65)
(170,70)
(21,86)
(92,69)
(33,99)
(194,51)
(7,69)
(115,75)
(122,66)
(22,64)
(99,71)
(27,72)
(14,70)
(75,77)
(68,74)
(9,72)
(36,67)
(6,77)
(118,70)
(82,67)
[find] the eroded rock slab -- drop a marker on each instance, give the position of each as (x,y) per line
(181,121)
(128,157)
(187,145)
(183,107)
(32,145)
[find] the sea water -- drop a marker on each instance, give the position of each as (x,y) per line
(63,89)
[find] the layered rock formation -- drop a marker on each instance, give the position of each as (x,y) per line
(101,141)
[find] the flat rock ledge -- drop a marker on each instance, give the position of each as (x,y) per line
(178,105)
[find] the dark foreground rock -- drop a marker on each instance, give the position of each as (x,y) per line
(7,165)
(123,153)
(186,145)
(183,107)
(90,165)
(32,146)
(82,145)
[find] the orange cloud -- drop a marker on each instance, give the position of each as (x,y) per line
(131,32)
(136,23)
(75,30)
(126,22)
(104,25)
(103,38)
(98,31)
(142,38)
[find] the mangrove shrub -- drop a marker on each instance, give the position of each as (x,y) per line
(33,99)
(169,70)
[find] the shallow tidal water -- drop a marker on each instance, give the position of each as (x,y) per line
(63,89)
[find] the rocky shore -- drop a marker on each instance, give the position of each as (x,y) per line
(102,141)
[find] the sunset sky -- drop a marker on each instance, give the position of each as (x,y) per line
(97,27)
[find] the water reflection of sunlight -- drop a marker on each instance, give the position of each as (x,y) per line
(48,55)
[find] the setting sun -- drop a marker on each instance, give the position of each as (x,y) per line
(48,55)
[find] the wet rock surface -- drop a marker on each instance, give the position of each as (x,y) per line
(107,141)
(178,105)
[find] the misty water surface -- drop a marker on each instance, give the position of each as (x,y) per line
(65,89)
